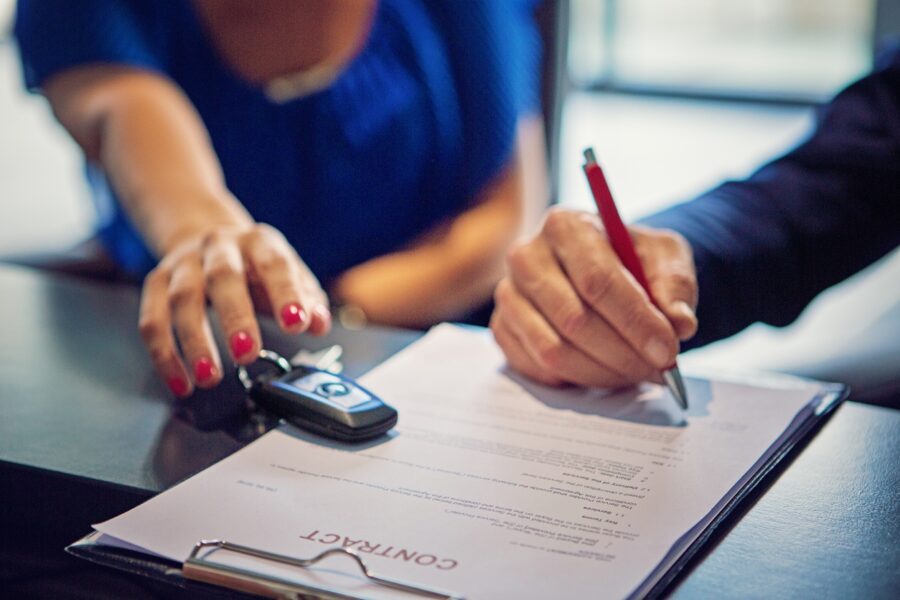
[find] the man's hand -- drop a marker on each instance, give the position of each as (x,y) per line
(569,312)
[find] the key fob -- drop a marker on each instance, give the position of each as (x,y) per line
(324,403)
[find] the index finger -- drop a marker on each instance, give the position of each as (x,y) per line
(604,284)
(291,288)
(155,325)
(226,286)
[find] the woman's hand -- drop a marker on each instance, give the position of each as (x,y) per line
(238,269)
(144,132)
(569,312)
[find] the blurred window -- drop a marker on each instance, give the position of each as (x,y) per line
(795,50)
(6,16)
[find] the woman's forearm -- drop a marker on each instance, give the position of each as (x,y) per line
(454,268)
(154,148)
(441,277)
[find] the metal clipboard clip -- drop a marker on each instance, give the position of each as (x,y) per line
(200,568)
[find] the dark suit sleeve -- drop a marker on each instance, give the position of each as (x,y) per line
(764,247)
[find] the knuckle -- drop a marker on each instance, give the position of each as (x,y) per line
(161,355)
(502,292)
(221,272)
(572,320)
(549,353)
(183,296)
(676,284)
(595,285)
(675,242)
(263,229)
(682,282)
(518,257)
(150,329)
(672,237)
(252,237)
(214,237)
(257,235)
(556,223)
(272,263)
(155,276)
(263,232)
(637,316)
(525,271)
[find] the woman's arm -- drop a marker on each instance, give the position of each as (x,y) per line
(157,154)
(454,268)
(153,147)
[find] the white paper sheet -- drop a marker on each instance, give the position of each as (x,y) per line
(490,486)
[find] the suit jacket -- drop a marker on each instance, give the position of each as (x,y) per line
(765,246)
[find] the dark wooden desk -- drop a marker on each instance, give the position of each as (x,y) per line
(87,431)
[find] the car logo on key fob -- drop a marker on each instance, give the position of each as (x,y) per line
(332,389)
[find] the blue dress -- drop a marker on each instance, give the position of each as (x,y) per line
(406,136)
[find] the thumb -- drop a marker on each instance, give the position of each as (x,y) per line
(683,318)
(675,292)
(673,283)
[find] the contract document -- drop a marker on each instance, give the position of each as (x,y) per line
(491,486)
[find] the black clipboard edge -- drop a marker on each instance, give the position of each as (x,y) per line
(146,565)
(831,397)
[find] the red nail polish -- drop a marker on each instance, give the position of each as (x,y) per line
(178,386)
(204,369)
(292,314)
(241,344)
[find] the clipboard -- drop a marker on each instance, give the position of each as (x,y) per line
(199,573)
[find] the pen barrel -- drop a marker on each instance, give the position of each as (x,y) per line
(618,235)
(623,245)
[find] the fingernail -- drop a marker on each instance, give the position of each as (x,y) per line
(204,369)
(241,344)
(685,310)
(658,353)
(292,314)
(178,386)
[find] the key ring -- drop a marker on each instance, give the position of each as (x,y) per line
(268,356)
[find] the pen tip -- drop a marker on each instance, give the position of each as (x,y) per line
(589,155)
(675,384)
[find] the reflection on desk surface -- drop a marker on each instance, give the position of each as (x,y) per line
(78,393)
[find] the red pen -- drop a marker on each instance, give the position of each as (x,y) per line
(621,241)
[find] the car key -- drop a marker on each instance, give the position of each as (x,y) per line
(319,401)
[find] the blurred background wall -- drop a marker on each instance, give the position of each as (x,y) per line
(43,202)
